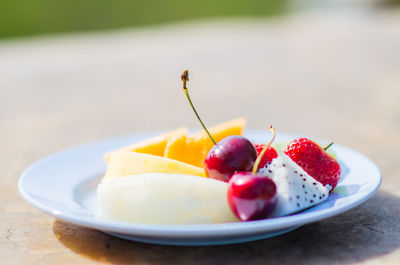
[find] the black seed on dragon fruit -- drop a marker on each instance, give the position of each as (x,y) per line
(293,182)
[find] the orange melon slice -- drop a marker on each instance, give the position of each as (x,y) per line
(154,146)
(124,164)
(176,146)
(199,145)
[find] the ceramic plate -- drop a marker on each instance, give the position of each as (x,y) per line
(64,186)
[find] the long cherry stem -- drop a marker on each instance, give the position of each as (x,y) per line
(326,147)
(260,156)
(185,79)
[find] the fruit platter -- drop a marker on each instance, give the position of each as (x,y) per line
(220,185)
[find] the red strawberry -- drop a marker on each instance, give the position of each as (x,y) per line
(268,156)
(315,161)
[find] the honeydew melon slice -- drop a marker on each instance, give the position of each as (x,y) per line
(159,198)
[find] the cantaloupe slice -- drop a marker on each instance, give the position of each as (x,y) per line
(176,146)
(124,164)
(153,146)
(199,145)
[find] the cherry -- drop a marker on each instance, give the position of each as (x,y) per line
(251,196)
(230,155)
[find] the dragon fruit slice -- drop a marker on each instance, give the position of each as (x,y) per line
(296,189)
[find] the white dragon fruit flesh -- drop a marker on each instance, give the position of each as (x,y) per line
(296,189)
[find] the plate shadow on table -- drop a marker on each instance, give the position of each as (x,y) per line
(370,230)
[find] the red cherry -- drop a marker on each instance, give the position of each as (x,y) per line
(232,154)
(251,196)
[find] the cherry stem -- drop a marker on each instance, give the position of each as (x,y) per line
(329,145)
(260,156)
(185,79)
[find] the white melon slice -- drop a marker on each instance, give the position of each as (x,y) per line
(160,198)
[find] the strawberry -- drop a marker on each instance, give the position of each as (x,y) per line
(315,161)
(268,156)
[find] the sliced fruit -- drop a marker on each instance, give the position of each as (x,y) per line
(157,198)
(296,189)
(200,144)
(193,153)
(124,164)
(154,146)
(176,146)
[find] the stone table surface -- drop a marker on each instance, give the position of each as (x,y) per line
(328,75)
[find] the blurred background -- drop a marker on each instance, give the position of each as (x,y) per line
(78,71)
(109,60)
(25,17)
(30,18)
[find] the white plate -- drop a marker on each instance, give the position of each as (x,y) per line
(64,186)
